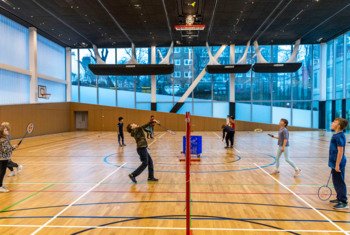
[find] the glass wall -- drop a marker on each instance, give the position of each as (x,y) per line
(338,77)
(260,97)
(14,65)
(51,58)
(14,51)
(12,34)
(347,65)
(330,70)
(269,95)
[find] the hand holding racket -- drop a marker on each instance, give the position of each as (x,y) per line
(30,128)
(325,192)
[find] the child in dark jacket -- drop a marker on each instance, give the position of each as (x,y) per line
(227,131)
(138,132)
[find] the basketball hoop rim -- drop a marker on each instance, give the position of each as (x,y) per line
(46,96)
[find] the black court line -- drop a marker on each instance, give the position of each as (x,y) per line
(175,201)
(106,160)
(182,217)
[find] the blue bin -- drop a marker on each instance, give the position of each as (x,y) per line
(196,144)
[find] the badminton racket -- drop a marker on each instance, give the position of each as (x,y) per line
(325,192)
(29,129)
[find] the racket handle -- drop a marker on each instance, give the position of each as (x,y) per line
(19,142)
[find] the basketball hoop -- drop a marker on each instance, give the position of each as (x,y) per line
(42,93)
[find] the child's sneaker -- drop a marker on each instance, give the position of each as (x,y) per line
(275,172)
(3,190)
(297,172)
(341,206)
(132,177)
(12,173)
(19,168)
(336,201)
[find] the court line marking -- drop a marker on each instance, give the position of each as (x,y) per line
(83,195)
(166,192)
(26,198)
(173,228)
(158,137)
(305,202)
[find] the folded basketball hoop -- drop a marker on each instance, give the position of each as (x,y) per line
(194,27)
(42,92)
(46,96)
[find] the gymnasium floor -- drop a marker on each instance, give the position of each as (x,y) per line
(77,183)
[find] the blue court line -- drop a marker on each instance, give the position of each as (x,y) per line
(106,160)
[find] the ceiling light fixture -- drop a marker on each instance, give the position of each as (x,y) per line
(190,19)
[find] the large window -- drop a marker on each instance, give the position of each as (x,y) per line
(14,65)
(261,82)
(243,80)
(302,79)
(316,72)
(88,80)
(74,74)
(339,66)
(301,114)
(347,66)
(51,58)
(260,97)
(347,113)
(14,43)
(330,70)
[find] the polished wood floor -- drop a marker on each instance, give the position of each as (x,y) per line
(77,183)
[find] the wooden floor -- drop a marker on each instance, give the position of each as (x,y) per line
(77,183)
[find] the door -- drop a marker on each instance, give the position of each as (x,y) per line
(81,120)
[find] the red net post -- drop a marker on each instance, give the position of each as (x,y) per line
(188,162)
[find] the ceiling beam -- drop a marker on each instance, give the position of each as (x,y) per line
(62,21)
(115,21)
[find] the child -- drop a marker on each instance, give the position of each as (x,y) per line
(11,165)
(337,161)
(228,132)
(232,123)
(120,132)
(150,133)
(5,152)
(138,133)
(283,144)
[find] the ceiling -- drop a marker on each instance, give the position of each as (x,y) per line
(118,23)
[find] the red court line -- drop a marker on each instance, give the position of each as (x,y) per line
(164,192)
